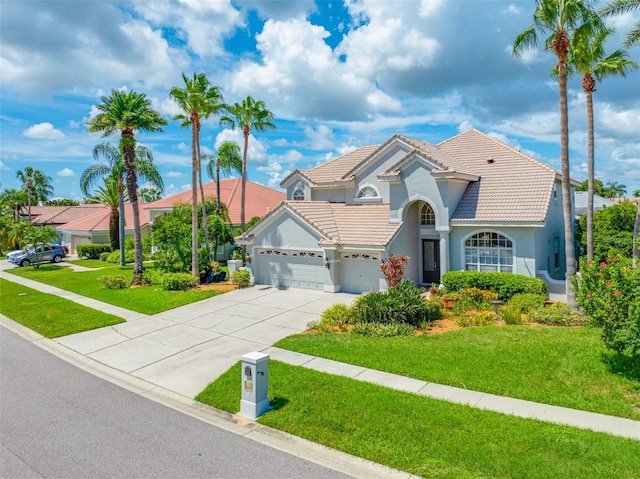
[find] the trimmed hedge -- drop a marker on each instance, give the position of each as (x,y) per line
(91,250)
(506,285)
(178,281)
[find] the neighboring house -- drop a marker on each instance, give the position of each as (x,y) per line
(94,228)
(259,200)
(56,216)
(468,203)
(598,202)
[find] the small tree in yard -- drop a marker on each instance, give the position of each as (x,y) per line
(393,268)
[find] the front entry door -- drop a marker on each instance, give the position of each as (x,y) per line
(430,261)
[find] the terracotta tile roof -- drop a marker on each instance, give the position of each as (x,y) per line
(99,221)
(446,162)
(58,215)
(512,188)
(336,170)
(259,200)
(354,225)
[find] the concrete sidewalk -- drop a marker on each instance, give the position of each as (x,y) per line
(184,349)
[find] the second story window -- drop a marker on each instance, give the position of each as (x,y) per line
(298,195)
(367,192)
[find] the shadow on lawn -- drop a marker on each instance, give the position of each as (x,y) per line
(278,403)
(622,365)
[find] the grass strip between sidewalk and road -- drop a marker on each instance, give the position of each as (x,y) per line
(425,436)
(49,315)
(145,299)
(561,366)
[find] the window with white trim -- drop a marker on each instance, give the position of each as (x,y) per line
(427,215)
(367,192)
(489,251)
(298,195)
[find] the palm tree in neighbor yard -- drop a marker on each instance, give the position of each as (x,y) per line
(126,113)
(587,56)
(227,161)
(558,19)
(247,115)
(198,99)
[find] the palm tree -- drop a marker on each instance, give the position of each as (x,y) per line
(587,55)
(617,7)
(150,194)
(247,115)
(114,166)
(109,195)
(226,161)
(37,184)
(127,112)
(198,99)
(13,200)
(614,190)
(557,18)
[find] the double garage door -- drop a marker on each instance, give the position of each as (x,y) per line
(285,268)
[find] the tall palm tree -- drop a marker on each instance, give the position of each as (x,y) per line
(114,166)
(37,184)
(109,195)
(247,115)
(128,112)
(198,99)
(558,18)
(617,7)
(226,161)
(587,56)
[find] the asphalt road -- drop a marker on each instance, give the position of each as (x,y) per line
(57,421)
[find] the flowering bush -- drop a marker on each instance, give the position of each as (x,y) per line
(609,292)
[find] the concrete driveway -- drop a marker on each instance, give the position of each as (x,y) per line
(186,348)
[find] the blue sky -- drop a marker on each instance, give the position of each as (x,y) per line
(337,75)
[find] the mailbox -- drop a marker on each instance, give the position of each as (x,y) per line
(255,385)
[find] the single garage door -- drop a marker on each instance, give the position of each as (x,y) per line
(360,272)
(286,268)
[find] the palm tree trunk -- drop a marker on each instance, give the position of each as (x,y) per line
(205,225)
(244,176)
(218,185)
(590,176)
(129,154)
(195,270)
(566,184)
(114,219)
(121,222)
(636,238)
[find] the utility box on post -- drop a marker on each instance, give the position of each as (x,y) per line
(255,385)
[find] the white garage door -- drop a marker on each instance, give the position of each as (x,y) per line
(286,268)
(360,272)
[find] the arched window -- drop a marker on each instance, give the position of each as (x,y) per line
(427,215)
(488,251)
(298,195)
(367,192)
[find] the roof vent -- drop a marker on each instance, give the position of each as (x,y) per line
(490,160)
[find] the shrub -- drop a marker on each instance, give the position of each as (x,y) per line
(383,330)
(178,281)
(104,256)
(336,315)
(169,261)
(526,302)
(393,269)
(242,278)
(476,318)
(116,281)
(624,336)
(129,256)
(511,314)
(147,279)
(92,251)
(506,285)
(558,314)
(432,310)
(402,304)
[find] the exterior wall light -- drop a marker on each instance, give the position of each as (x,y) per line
(327,263)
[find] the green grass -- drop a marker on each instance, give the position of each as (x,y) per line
(561,366)
(89,263)
(146,300)
(424,436)
(48,315)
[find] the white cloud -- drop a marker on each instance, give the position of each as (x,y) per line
(320,137)
(174,174)
(4,167)
(276,173)
(257,151)
(43,131)
(65,172)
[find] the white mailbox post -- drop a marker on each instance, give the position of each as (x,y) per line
(255,385)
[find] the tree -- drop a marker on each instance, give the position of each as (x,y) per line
(587,56)
(108,195)
(11,201)
(598,186)
(226,161)
(613,230)
(62,202)
(149,195)
(247,115)
(636,193)
(558,18)
(198,99)
(113,166)
(614,190)
(128,112)
(618,7)
(36,183)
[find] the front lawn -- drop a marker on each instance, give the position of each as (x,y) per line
(49,315)
(146,300)
(561,366)
(425,436)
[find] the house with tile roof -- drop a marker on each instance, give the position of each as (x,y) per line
(468,203)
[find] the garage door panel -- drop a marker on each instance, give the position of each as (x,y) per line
(290,269)
(360,272)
